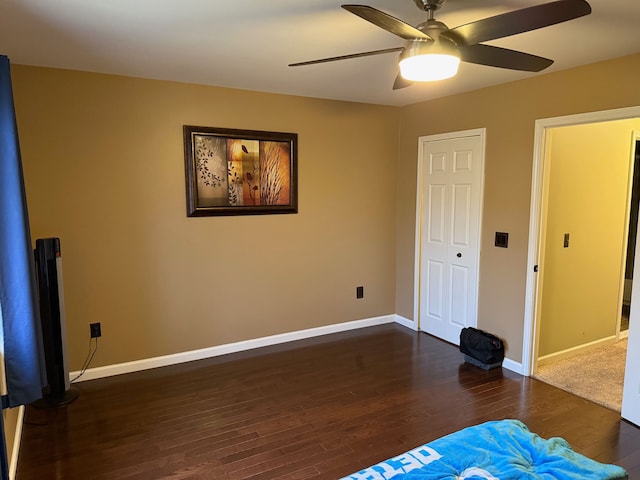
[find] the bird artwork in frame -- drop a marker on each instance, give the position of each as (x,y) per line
(239,172)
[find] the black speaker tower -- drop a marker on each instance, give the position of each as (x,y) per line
(48,260)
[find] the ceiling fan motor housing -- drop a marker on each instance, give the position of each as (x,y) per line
(429,5)
(433,29)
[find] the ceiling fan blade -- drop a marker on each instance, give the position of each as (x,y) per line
(346,57)
(386,22)
(401,82)
(503,58)
(518,21)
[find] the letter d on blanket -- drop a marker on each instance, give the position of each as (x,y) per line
(405,463)
(425,455)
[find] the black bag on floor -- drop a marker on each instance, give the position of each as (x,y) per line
(481,348)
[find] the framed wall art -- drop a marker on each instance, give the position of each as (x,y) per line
(240,172)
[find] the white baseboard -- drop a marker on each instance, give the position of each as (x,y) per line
(513,366)
(506,363)
(165,360)
(17,438)
(553,357)
(405,322)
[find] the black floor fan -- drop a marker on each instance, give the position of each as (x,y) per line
(48,262)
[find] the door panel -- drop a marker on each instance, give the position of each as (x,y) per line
(437,214)
(434,300)
(450,221)
(437,163)
(459,308)
(461,215)
(463,161)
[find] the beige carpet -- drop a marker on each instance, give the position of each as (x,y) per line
(596,375)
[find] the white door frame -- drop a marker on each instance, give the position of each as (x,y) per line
(536,220)
(481,132)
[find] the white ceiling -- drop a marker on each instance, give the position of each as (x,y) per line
(248,44)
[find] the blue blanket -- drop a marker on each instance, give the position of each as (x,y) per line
(500,450)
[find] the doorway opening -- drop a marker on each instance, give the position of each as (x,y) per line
(539,246)
(631,244)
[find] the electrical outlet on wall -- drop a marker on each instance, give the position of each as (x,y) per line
(96,330)
(359,292)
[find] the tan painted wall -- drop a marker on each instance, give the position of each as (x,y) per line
(508,112)
(587,198)
(104,171)
(103,164)
(10,421)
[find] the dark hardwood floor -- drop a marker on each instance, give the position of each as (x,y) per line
(314,409)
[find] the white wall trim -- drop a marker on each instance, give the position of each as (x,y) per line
(176,358)
(513,366)
(405,322)
(17,438)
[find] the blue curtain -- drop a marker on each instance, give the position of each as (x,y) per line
(20,317)
(23,354)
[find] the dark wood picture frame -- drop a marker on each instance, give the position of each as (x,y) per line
(240,172)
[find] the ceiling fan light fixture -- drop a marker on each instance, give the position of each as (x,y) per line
(429,67)
(432,51)
(429,61)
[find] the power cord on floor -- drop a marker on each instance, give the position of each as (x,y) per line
(87,361)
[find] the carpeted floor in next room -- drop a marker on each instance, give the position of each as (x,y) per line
(596,375)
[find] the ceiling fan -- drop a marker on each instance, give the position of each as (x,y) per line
(432,51)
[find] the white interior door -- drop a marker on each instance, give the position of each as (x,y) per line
(631,389)
(451,168)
